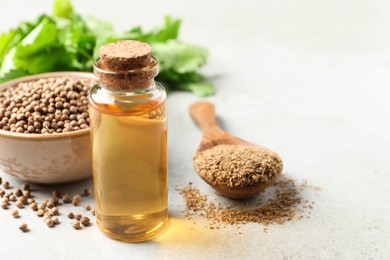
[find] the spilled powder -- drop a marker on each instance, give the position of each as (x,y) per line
(285,204)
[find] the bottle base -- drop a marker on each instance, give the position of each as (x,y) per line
(130,230)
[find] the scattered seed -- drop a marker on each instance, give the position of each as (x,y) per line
(4,205)
(47,209)
(27,193)
(24,227)
(6,185)
(55,211)
(12,198)
(24,199)
(55,220)
(76,224)
(48,212)
(15,213)
(43,205)
(34,206)
(57,194)
(54,201)
(50,204)
(19,204)
(26,186)
(77,197)
(87,192)
(49,222)
(40,212)
(66,198)
(19,192)
(85,221)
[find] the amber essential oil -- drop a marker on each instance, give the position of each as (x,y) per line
(129,154)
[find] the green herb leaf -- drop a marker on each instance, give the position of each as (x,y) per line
(68,41)
(62,8)
(13,74)
(178,56)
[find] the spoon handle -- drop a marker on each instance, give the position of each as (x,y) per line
(203,113)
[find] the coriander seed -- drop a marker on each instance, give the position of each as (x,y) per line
(85,221)
(23,199)
(40,212)
(12,198)
(26,186)
(49,222)
(77,197)
(6,185)
(54,211)
(87,192)
(19,193)
(4,205)
(43,205)
(87,207)
(76,224)
(15,213)
(32,107)
(19,204)
(54,201)
(34,206)
(57,194)
(78,216)
(27,193)
(24,227)
(50,204)
(70,215)
(75,202)
(55,220)
(66,198)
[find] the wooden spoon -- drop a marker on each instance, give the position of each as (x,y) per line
(203,113)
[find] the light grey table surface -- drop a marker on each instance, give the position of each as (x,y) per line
(308,79)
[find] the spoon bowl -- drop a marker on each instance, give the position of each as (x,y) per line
(203,113)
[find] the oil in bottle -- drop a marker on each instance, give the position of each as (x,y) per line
(129,143)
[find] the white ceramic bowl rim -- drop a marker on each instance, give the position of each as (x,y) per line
(13,82)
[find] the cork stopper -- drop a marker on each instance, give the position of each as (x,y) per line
(125,55)
(125,65)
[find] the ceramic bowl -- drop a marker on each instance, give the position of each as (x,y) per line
(46,158)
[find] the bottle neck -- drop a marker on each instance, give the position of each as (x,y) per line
(129,80)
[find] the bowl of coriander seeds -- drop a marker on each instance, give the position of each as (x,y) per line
(44,127)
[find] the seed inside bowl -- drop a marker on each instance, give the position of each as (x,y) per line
(46,106)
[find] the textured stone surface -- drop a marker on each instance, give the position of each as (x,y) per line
(311,81)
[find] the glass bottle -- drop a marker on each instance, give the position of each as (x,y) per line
(129,152)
